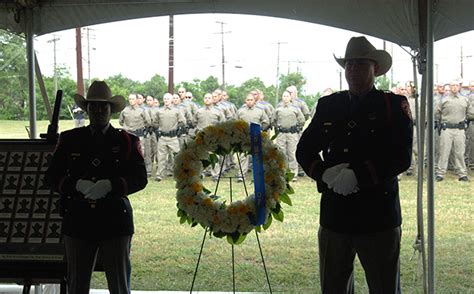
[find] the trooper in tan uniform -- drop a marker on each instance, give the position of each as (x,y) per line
(206,116)
(134,119)
(223,107)
(251,114)
(150,141)
(452,113)
(304,109)
(167,120)
(411,97)
(192,107)
(288,119)
(265,105)
(183,131)
(470,132)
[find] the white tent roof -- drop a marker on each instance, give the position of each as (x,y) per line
(393,20)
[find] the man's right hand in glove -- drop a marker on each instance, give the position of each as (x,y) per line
(331,173)
(84,186)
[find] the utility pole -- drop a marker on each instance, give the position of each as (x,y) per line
(462,62)
(54,40)
(222,47)
(80,79)
(171,55)
(89,37)
(277,86)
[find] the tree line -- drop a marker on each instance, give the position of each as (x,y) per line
(14,85)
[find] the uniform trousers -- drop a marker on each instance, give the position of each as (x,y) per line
(470,146)
(378,253)
(414,154)
(166,148)
(452,139)
(81,257)
(287,143)
(148,156)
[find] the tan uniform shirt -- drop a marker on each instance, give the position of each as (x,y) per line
(255,115)
(133,118)
(287,116)
(169,118)
(206,116)
(454,109)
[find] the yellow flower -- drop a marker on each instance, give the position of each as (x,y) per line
(207,202)
(232,210)
(268,177)
(243,209)
(189,200)
(198,139)
(272,153)
(196,187)
(276,196)
(282,164)
(241,125)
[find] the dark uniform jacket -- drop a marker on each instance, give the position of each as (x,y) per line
(375,138)
(115,156)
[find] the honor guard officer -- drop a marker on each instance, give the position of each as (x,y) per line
(452,114)
(288,120)
(365,136)
(95,169)
(251,114)
(167,120)
(208,115)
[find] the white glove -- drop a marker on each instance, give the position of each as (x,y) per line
(345,183)
(99,190)
(331,173)
(84,186)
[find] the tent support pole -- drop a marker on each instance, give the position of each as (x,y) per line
(430,119)
(420,109)
(30,52)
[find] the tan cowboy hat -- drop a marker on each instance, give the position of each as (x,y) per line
(361,48)
(100,92)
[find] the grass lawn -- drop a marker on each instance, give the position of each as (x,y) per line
(164,253)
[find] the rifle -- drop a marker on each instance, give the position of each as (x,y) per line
(52,135)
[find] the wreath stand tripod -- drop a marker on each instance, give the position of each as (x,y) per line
(207,229)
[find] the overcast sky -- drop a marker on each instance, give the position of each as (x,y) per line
(138,49)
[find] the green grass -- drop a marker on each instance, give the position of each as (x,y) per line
(164,253)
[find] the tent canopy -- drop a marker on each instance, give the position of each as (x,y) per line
(397,21)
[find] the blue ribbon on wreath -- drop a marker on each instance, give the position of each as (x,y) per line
(258,172)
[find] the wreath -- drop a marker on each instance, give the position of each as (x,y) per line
(197,205)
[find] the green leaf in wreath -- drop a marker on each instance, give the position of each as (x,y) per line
(268,223)
(274,136)
(213,158)
(285,199)
(183,219)
(205,163)
(219,234)
(236,238)
(278,216)
(206,190)
(194,224)
(289,176)
(289,189)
